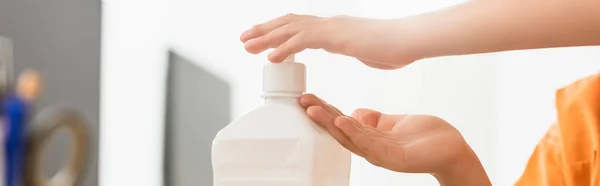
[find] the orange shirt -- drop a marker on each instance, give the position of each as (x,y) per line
(568,154)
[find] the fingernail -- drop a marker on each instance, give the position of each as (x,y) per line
(272,57)
(338,121)
(246,33)
(338,124)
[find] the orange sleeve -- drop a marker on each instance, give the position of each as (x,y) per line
(545,164)
(568,153)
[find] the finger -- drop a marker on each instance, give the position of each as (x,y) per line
(336,110)
(387,122)
(308,100)
(366,117)
(311,100)
(262,29)
(299,42)
(375,119)
(272,39)
(366,140)
(325,120)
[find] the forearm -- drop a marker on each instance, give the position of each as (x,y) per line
(483,26)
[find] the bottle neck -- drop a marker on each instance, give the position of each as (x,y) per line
(282,97)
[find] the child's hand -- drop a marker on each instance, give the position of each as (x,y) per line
(375,42)
(402,143)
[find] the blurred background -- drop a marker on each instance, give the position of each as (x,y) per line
(159,78)
(61,39)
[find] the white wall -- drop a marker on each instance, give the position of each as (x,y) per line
(501,102)
(133,75)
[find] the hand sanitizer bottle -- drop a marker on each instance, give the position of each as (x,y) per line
(277,144)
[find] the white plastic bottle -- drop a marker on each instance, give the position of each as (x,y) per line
(277,144)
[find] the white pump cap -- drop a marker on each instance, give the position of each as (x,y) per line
(290,58)
(284,79)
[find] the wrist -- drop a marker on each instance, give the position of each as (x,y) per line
(466,171)
(410,38)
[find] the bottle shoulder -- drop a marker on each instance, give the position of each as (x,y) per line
(272,121)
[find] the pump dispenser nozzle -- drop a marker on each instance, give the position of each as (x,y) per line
(290,59)
(284,79)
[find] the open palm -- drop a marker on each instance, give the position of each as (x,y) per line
(402,143)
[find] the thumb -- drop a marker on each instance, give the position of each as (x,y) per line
(368,139)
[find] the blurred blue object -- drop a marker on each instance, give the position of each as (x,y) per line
(16,112)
